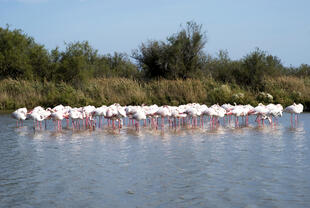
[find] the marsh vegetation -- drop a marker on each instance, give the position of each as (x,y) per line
(172,71)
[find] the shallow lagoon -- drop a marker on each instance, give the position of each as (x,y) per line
(224,167)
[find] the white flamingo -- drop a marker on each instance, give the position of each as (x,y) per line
(20,115)
(163,112)
(294,109)
(174,114)
(138,116)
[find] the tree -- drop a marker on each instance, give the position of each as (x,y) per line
(303,70)
(179,57)
(186,50)
(120,65)
(150,58)
(20,56)
(255,67)
(76,63)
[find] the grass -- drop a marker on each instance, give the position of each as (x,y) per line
(20,93)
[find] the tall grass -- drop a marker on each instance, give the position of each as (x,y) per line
(289,89)
(19,93)
(115,90)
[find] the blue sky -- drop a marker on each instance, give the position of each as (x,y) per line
(280,27)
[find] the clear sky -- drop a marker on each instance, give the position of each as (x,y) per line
(280,27)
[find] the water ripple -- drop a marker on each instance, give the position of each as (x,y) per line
(224,167)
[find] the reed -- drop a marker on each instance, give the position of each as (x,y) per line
(18,93)
(289,89)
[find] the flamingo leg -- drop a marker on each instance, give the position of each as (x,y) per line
(175,122)
(192,122)
(137,125)
(162,122)
(73,127)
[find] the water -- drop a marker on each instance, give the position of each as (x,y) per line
(227,167)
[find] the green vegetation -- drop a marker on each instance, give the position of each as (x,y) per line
(180,57)
(175,71)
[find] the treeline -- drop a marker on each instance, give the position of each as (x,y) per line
(180,57)
(22,58)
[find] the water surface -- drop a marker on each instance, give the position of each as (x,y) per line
(226,167)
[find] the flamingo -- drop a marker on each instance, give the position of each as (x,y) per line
(193,111)
(163,112)
(138,116)
(111,114)
(150,114)
(37,117)
(177,113)
(294,109)
(121,113)
(274,111)
(262,113)
(211,112)
(20,115)
(58,116)
(219,112)
(100,112)
(75,115)
(237,111)
(38,114)
(228,107)
(87,113)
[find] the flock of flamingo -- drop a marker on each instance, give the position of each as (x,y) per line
(191,115)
